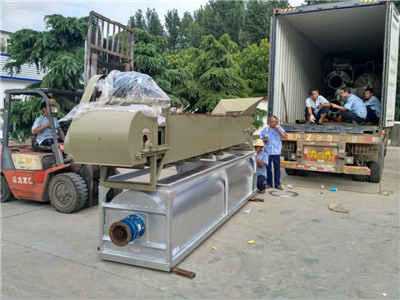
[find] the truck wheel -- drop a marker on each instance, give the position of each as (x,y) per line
(377,167)
(360,177)
(290,171)
(68,192)
(376,171)
(302,172)
(5,190)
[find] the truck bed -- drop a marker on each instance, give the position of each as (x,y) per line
(332,127)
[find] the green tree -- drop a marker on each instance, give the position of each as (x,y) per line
(185,30)
(3,45)
(256,25)
(59,51)
(154,26)
(149,59)
(138,20)
(253,60)
(217,73)
(184,85)
(221,17)
(173,26)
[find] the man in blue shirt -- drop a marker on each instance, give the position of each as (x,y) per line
(41,127)
(262,161)
(354,110)
(373,106)
(272,137)
(313,113)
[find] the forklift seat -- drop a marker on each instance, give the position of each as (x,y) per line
(38,148)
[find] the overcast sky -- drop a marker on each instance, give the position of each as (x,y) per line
(19,14)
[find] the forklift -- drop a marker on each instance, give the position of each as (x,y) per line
(39,173)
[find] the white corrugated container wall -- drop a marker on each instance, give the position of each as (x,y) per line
(294,53)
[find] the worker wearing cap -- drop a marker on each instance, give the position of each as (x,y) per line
(262,161)
(316,107)
(373,106)
(41,128)
(272,136)
(354,110)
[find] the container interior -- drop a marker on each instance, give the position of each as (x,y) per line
(327,50)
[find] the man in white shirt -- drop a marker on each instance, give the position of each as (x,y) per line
(316,107)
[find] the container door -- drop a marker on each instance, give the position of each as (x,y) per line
(390,65)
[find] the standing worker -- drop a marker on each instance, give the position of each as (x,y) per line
(262,161)
(272,137)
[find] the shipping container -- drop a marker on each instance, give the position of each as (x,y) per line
(331,46)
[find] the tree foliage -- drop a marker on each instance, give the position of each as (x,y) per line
(253,60)
(218,75)
(149,22)
(256,25)
(173,25)
(59,51)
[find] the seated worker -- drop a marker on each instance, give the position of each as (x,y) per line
(354,110)
(312,112)
(373,106)
(41,127)
(262,161)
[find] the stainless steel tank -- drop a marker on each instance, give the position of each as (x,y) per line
(184,210)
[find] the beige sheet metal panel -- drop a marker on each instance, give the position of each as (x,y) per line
(110,138)
(192,135)
(242,106)
(115,138)
(235,130)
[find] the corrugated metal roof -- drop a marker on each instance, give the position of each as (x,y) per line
(28,72)
(345,37)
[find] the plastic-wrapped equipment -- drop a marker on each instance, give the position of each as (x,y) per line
(125,91)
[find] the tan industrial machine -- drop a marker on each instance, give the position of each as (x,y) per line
(156,222)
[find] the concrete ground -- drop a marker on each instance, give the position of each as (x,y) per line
(301,249)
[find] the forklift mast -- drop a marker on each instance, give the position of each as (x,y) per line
(109,46)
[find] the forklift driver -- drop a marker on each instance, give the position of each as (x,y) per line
(41,128)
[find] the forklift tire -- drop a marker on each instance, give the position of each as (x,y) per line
(68,192)
(5,190)
(291,171)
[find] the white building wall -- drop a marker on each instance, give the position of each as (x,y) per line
(28,75)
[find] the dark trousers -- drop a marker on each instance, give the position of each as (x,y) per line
(323,110)
(49,142)
(276,160)
(261,182)
(371,115)
(349,116)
